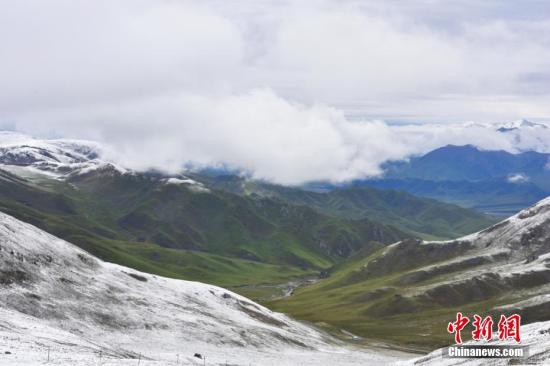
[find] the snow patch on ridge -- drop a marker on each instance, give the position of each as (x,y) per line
(192,184)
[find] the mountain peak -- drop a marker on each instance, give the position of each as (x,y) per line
(27,155)
(468,147)
(447,150)
(519,124)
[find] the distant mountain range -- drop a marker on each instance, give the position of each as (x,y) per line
(492,196)
(468,163)
(495,182)
(425,218)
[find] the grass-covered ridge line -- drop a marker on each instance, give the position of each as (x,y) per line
(406,293)
(175,231)
(421,217)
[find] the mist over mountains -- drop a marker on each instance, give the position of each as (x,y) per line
(498,182)
(252,144)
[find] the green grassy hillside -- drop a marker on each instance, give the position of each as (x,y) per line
(371,305)
(497,197)
(177,231)
(407,293)
(424,217)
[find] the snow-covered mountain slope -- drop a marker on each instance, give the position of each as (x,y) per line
(509,262)
(519,124)
(29,157)
(38,159)
(504,268)
(57,299)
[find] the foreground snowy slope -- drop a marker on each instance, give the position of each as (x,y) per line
(57,299)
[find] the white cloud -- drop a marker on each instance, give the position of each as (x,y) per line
(272,87)
(66,53)
(518,178)
(392,61)
(265,135)
(259,132)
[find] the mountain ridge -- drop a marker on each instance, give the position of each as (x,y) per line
(492,181)
(504,268)
(469,163)
(419,216)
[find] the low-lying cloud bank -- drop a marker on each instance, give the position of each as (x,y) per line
(266,136)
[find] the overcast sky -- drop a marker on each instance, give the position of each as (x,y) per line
(288,90)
